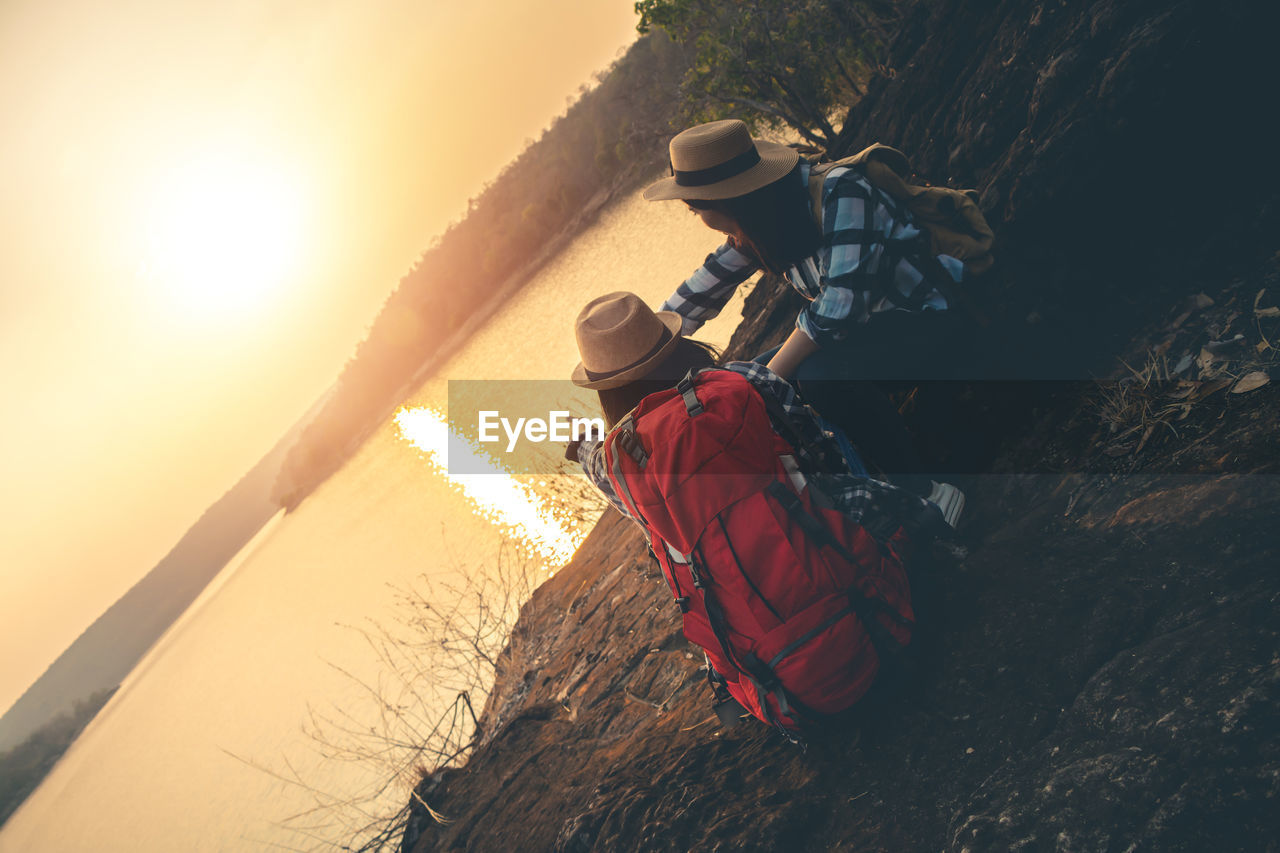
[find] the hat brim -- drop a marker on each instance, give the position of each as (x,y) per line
(776,161)
(672,321)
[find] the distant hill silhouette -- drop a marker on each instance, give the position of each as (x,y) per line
(25,766)
(108,649)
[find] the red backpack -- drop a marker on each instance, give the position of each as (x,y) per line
(796,605)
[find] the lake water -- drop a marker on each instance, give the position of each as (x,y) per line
(201,747)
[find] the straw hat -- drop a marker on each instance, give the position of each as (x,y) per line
(621,340)
(720,160)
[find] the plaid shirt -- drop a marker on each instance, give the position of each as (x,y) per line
(862,267)
(818,456)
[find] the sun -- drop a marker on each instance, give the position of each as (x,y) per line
(224,233)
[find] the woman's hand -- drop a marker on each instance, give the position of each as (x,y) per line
(797,348)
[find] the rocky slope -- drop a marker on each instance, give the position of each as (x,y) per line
(1106,667)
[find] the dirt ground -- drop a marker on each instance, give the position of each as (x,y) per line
(1104,671)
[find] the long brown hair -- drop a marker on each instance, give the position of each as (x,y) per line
(774,223)
(687,355)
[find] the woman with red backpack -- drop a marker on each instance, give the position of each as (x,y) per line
(877,308)
(790,570)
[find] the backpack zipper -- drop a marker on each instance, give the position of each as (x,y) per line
(724,532)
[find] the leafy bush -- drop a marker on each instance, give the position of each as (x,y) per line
(774,62)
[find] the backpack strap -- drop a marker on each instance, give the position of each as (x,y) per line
(936,274)
(624,435)
(891,157)
(817,177)
(630,444)
(783,425)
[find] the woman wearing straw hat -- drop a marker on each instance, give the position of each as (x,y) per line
(628,352)
(872,314)
(792,573)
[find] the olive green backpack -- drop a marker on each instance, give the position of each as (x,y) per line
(951,218)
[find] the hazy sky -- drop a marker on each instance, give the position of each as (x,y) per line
(203,204)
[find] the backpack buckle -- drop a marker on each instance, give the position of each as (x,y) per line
(691,402)
(727,709)
(631,446)
(728,712)
(695,574)
(760,671)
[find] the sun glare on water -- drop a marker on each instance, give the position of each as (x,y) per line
(223,233)
(496,495)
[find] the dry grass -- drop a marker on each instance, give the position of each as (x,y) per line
(1232,353)
(437,661)
(1138,405)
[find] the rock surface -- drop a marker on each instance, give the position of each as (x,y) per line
(1105,673)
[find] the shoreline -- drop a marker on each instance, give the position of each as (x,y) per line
(458,339)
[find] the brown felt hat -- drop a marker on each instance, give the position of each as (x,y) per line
(621,340)
(720,160)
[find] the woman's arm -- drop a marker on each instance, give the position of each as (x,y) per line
(701,296)
(797,348)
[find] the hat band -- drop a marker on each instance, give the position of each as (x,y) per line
(663,340)
(720,171)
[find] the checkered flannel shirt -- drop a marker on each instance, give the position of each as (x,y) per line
(862,267)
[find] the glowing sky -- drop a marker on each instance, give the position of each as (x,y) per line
(202,206)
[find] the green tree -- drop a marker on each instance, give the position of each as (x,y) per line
(774,62)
